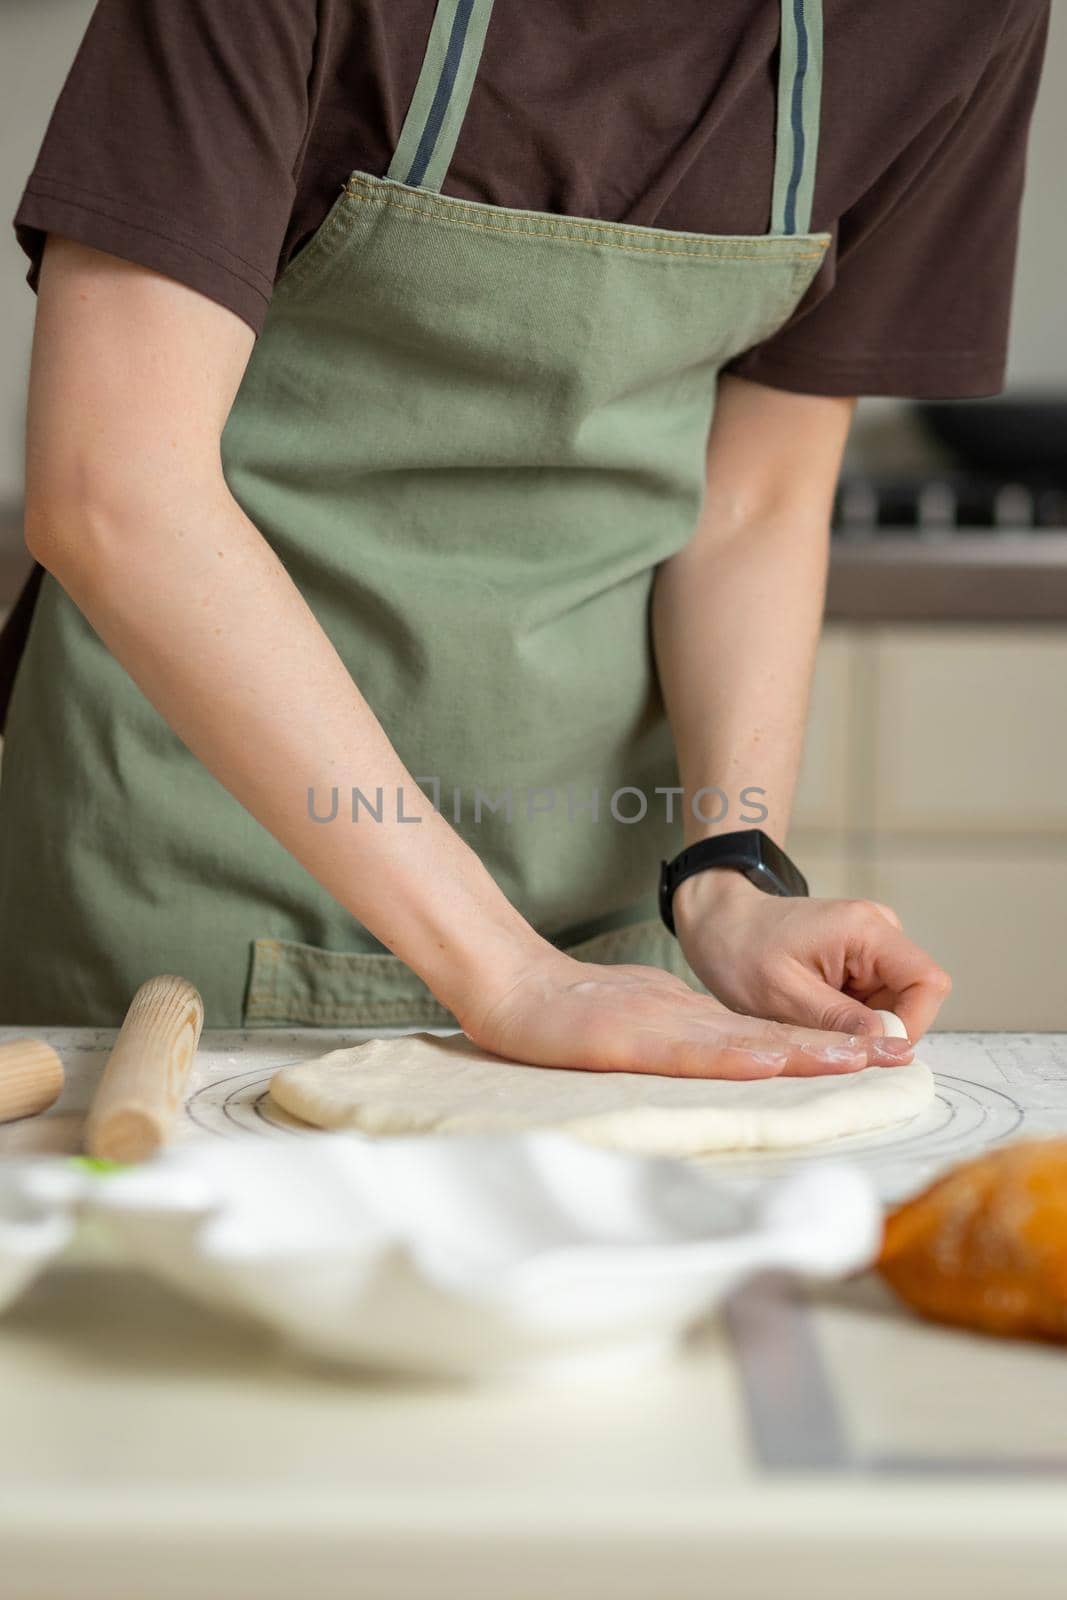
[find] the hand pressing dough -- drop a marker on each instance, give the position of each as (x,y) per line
(423,1083)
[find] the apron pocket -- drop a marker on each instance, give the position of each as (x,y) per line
(298,985)
(301,984)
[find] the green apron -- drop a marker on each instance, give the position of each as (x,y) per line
(471,434)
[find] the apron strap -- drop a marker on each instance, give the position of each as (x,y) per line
(799,94)
(439,104)
(453,52)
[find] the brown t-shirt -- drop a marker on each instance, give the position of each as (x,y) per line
(207,139)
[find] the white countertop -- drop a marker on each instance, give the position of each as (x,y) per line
(832,1445)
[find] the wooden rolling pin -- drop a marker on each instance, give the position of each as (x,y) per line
(31,1077)
(138,1097)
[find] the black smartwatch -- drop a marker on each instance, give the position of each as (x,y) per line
(749,851)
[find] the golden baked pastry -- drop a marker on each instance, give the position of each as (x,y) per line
(986,1246)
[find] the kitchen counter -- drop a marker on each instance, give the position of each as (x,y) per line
(826,1443)
(948,577)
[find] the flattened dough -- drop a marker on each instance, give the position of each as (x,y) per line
(423,1083)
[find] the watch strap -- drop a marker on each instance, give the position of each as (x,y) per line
(749,851)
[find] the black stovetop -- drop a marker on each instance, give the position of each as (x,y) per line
(947,502)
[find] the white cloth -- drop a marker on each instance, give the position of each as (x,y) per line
(465,1256)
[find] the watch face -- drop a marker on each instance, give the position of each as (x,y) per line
(761,875)
(778,866)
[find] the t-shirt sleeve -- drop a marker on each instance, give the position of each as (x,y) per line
(914,299)
(176,141)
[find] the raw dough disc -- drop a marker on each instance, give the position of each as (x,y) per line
(422,1083)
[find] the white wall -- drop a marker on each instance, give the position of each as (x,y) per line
(38,39)
(1039,319)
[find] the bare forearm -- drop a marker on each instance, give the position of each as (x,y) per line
(204,617)
(736,612)
(736,621)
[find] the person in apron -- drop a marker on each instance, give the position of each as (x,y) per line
(470,437)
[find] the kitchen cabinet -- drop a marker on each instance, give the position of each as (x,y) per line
(970,731)
(995,917)
(935,778)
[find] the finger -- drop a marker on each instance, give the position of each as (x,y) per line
(824,1006)
(678,1054)
(918,1009)
(816,1060)
(885,912)
(795,1059)
(697,1044)
(906,979)
(832,1046)
(739,1062)
(755,1050)
(879,1053)
(752,1049)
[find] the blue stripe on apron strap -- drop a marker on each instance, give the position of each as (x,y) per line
(443,93)
(796,111)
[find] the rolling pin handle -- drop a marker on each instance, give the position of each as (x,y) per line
(31,1077)
(143,1084)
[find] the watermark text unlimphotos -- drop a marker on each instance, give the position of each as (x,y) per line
(626,805)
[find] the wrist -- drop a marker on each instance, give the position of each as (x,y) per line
(750,852)
(466,941)
(709,893)
(482,971)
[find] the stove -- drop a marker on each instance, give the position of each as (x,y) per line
(944,503)
(948,545)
